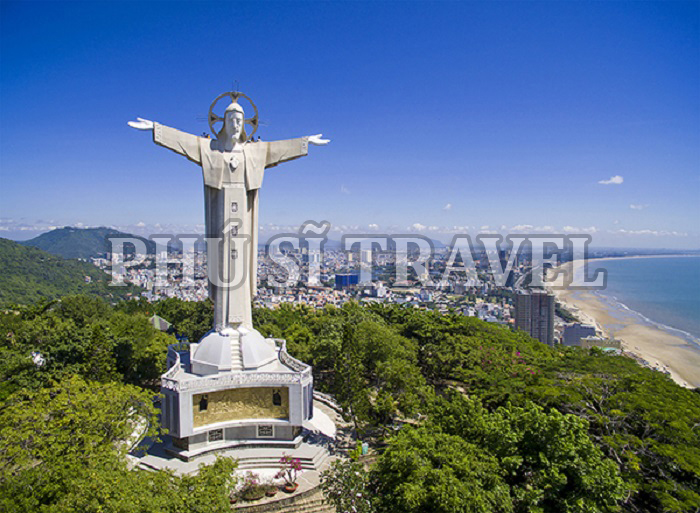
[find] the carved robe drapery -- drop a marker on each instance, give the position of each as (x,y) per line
(231,183)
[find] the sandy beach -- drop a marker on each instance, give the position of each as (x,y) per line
(658,347)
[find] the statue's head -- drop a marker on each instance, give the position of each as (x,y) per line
(234,122)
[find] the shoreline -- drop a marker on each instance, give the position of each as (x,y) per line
(643,339)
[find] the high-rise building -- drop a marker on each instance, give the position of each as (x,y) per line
(534,314)
(346,280)
(503,258)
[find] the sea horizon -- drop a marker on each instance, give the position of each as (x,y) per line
(662,291)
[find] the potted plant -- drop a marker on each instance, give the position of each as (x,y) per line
(270,489)
(252,489)
(289,471)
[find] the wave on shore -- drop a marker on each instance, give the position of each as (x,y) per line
(688,337)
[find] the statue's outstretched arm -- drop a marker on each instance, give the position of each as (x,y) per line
(290,149)
(317,141)
(180,142)
(141,124)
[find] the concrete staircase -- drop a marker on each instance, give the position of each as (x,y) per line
(311,501)
(236,358)
(311,457)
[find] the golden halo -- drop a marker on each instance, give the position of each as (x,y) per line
(234,96)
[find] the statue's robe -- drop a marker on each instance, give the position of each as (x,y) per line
(231,183)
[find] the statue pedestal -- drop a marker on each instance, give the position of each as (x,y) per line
(234,389)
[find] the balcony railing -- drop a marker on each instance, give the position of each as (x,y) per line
(301,372)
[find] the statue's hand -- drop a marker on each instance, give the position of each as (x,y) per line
(141,124)
(317,141)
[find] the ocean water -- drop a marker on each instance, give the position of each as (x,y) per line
(664,291)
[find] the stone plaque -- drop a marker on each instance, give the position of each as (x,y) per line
(216,435)
(266,431)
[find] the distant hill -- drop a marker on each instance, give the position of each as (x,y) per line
(69,242)
(28,275)
(336,245)
(434,242)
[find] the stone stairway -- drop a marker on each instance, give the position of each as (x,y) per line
(264,458)
(309,502)
(236,358)
(312,456)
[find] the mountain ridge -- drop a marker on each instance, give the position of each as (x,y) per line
(84,243)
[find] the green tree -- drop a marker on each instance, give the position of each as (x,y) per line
(62,448)
(346,486)
(51,435)
(191,319)
(549,461)
(426,470)
(140,349)
(208,491)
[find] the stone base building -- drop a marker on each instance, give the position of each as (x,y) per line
(234,389)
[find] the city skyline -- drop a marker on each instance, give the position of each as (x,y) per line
(444,118)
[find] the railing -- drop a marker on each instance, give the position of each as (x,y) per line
(292,362)
(238,378)
(328,401)
(174,367)
(301,373)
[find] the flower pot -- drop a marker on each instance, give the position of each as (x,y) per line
(271,492)
(291,488)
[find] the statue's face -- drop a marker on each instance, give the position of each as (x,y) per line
(235,121)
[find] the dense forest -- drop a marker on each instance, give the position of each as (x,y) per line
(465,416)
(29,275)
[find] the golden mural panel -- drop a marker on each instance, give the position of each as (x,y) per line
(240,403)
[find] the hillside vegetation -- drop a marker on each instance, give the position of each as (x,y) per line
(465,416)
(29,275)
(538,428)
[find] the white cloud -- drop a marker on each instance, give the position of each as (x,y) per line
(140,224)
(654,233)
(344,190)
(417,227)
(528,228)
(544,229)
(456,229)
(634,206)
(374,227)
(575,229)
(447,207)
(613,180)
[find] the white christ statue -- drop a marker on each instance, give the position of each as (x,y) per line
(233,169)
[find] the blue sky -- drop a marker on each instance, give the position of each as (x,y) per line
(444,117)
